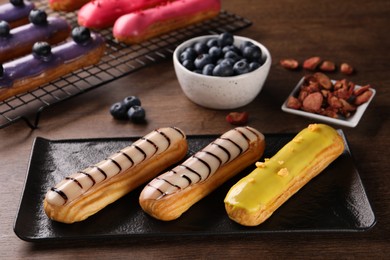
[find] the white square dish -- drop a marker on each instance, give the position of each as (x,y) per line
(349,122)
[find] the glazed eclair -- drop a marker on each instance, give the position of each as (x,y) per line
(169,195)
(85,192)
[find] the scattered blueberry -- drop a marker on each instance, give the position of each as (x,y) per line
(1,70)
(38,17)
(220,57)
(119,111)
(128,108)
(131,101)
(4,29)
(136,114)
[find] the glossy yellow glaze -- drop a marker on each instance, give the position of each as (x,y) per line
(269,180)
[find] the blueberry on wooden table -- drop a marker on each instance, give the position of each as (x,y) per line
(131,101)
(119,111)
(136,114)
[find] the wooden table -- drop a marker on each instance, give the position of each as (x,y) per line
(353,31)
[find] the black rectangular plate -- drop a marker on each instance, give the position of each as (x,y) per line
(334,201)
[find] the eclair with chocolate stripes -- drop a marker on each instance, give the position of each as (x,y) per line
(169,195)
(86,192)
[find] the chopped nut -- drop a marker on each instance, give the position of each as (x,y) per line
(290,64)
(312,63)
(260,165)
(328,66)
(346,69)
(281,162)
(283,172)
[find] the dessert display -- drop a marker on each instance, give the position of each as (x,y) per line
(255,197)
(46,64)
(67,5)
(172,193)
(339,99)
(86,192)
(220,57)
(103,13)
(139,26)
(16,12)
(20,40)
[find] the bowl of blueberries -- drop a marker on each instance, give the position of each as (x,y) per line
(221,71)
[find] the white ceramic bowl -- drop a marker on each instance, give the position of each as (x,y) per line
(221,92)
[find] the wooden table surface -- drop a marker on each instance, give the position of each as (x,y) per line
(354,31)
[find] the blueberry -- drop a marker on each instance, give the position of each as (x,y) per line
(1,71)
(254,65)
(230,48)
(223,70)
(202,60)
(201,48)
(4,29)
(38,17)
(136,114)
(245,44)
(232,55)
(208,69)
(119,111)
(212,42)
(81,34)
(241,67)
(215,52)
(17,2)
(252,53)
(41,49)
(225,39)
(189,64)
(227,61)
(131,101)
(188,54)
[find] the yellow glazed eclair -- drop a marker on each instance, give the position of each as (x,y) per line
(85,192)
(169,195)
(255,197)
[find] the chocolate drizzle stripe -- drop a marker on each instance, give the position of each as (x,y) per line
(223,149)
(192,170)
(243,135)
(187,178)
(74,180)
(100,170)
(152,143)
(205,163)
(141,151)
(89,176)
(116,163)
(170,183)
(178,130)
(213,155)
(128,157)
(230,140)
(61,193)
(165,136)
(251,130)
(151,186)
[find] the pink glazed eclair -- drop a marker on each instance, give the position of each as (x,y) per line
(139,26)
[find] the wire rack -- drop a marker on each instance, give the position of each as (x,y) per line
(119,60)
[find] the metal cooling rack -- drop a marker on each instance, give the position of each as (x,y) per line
(119,60)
